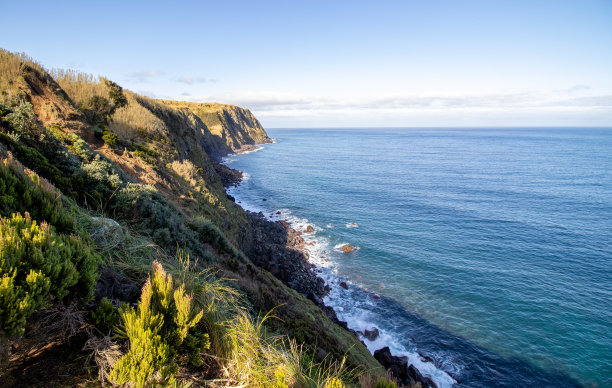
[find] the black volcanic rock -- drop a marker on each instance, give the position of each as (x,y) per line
(399,368)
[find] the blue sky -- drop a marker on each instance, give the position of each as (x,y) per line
(341,63)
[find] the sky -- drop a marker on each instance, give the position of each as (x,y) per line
(411,63)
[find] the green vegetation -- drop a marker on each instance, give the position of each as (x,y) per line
(37,265)
(76,211)
(384,383)
(157,331)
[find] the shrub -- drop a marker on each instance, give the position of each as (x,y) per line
(211,234)
(115,93)
(147,155)
(22,190)
(23,119)
(160,328)
(334,382)
(37,264)
(110,139)
(81,148)
(384,383)
(154,215)
(105,316)
(100,178)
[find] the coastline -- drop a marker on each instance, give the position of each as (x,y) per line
(287,249)
(441,355)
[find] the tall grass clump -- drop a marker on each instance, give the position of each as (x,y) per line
(257,359)
(13,66)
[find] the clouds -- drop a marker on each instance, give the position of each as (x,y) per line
(153,76)
(578,88)
(144,76)
(195,80)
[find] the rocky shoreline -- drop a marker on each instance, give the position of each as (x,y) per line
(280,249)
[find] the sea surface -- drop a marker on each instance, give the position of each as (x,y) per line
(489,251)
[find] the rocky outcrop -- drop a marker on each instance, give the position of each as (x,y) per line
(371,334)
(406,374)
(278,248)
(347,248)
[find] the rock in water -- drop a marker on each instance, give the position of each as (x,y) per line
(344,285)
(371,334)
(309,229)
(347,248)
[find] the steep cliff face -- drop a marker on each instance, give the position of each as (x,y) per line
(235,129)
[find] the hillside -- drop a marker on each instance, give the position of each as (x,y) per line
(121,188)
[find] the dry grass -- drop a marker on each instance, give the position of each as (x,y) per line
(79,86)
(105,353)
(134,120)
(12,66)
(61,321)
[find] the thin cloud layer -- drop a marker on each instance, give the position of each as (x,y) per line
(280,102)
(144,76)
(194,80)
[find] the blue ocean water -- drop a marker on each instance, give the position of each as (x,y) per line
(487,250)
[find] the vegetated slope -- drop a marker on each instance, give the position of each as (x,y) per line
(151,166)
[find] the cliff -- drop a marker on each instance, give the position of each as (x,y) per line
(234,129)
(136,180)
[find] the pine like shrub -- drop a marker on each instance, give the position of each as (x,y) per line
(161,328)
(384,383)
(334,382)
(38,265)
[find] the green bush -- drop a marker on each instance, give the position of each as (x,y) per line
(105,316)
(103,173)
(158,331)
(147,210)
(110,139)
(21,191)
(23,119)
(211,234)
(81,148)
(384,383)
(147,155)
(334,382)
(37,265)
(115,93)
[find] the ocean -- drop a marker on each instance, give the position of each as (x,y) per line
(484,255)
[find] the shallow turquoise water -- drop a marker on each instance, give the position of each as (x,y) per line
(491,248)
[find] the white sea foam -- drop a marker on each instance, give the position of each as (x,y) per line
(251,151)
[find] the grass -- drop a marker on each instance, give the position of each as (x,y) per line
(80,87)
(13,66)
